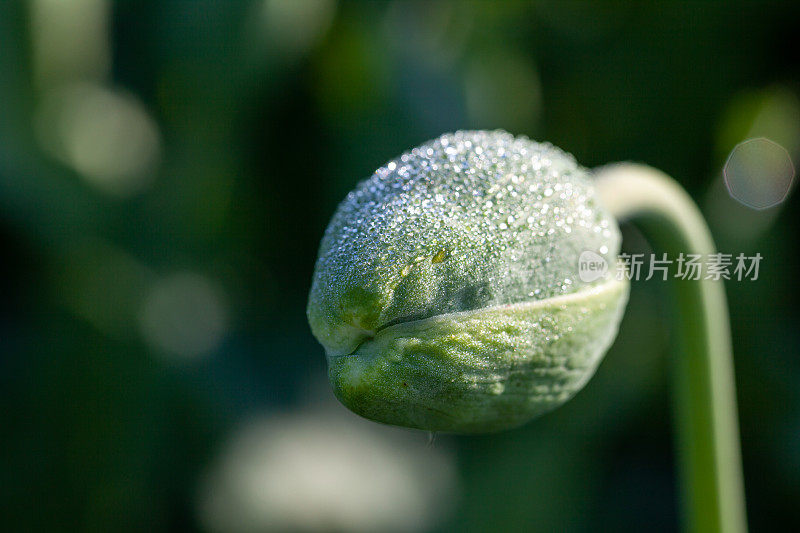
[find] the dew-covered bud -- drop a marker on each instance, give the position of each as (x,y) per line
(447,294)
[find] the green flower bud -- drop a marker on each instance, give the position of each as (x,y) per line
(447,294)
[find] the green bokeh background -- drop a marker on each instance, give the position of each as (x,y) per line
(266,114)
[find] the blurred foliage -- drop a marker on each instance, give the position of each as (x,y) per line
(167,169)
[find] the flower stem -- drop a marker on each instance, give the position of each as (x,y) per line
(708,455)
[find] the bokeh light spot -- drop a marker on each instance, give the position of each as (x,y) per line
(69,40)
(325,471)
(759,173)
(295,25)
(105,135)
(184,316)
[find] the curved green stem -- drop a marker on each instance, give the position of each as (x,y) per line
(704,394)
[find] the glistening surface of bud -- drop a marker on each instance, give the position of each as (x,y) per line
(446,292)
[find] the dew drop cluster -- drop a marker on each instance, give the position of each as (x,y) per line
(490,218)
